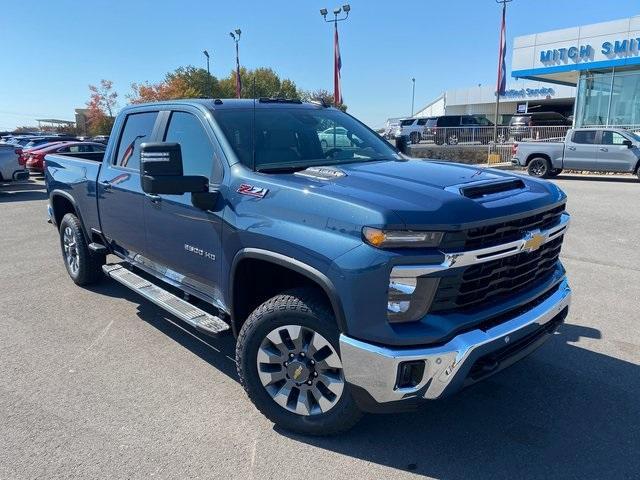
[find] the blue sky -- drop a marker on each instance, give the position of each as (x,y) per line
(53,49)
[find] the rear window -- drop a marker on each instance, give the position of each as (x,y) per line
(584,136)
(406,123)
(449,122)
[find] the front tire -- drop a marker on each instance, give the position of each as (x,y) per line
(539,167)
(289,364)
(83,266)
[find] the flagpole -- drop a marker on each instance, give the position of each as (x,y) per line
(337,61)
(501,71)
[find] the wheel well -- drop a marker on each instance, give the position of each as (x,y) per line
(256,280)
(61,206)
(538,155)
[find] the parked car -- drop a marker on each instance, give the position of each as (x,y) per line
(35,141)
(10,169)
(353,279)
(412,128)
(35,158)
(100,139)
(593,149)
(336,137)
(521,126)
(454,129)
(24,151)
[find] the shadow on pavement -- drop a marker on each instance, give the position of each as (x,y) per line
(563,412)
(219,352)
(603,178)
(22,191)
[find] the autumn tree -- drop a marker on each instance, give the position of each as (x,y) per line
(101,107)
(184,82)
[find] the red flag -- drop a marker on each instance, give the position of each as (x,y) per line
(337,65)
(502,66)
(238,79)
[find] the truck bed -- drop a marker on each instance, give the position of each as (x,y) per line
(76,174)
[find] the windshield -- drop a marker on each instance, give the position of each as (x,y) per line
(635,136)
(289,138)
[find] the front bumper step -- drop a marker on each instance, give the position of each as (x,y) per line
(453,365)
(182,309)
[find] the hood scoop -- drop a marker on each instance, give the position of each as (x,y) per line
(478,191)
(322,173)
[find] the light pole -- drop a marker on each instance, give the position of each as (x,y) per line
(501,80)
(206,54)
(337,60)
(236,39)
(413,94)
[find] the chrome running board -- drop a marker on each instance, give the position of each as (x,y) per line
(182,309)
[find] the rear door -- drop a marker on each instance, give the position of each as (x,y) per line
(184,242)
(581,151)
(120,196)
(613,155)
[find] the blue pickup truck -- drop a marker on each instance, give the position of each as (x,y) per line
(353,277)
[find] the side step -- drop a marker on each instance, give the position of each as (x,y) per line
(183,310)
(97,247)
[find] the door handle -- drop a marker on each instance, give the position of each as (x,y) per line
(604,149)
(572,148)
(106,184)
(153,197)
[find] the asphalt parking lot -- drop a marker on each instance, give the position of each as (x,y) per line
(99,383)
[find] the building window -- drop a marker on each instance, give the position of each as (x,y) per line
(609,98)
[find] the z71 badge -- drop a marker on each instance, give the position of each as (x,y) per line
(252,191)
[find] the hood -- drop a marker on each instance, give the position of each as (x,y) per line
(429,194)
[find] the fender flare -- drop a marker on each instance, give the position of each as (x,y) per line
(297,266)
(69,197)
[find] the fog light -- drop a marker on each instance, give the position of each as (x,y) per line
(410,374)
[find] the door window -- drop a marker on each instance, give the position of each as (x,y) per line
(612,138)
(137,129)
(584,136)
(198,153)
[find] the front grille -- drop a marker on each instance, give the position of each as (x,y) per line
(503,232)
(496,280)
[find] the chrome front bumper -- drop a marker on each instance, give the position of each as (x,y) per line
(375,368)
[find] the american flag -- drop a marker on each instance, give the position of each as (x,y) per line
(337,65)
(502,65)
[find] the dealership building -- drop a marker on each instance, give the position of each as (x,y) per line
(590,71)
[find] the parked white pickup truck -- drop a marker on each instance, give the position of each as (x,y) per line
(594,149)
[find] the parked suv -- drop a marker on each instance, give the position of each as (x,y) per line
(520,126)
(454,129)
(412,128)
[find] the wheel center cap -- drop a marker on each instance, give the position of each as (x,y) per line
(298,371)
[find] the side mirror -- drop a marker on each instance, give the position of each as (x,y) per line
(161,171)
(628,143)
(402,144)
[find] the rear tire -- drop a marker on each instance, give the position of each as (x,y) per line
(83,266)
(307,408)
(539,167)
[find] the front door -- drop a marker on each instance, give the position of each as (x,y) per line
(580,151)
(121,199)
(184,242)
(615,156)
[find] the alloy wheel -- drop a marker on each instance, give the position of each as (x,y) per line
(300,370)
(71,250)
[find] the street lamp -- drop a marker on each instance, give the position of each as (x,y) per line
(236,38)
(337,60)
(413,94)
(206,54)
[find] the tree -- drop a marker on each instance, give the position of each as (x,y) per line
(320,95)
(101,106)
(261,82)
(183,82)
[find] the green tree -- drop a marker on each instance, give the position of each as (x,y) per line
(320,95)
(261,82)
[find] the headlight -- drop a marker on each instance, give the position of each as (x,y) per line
(400,238)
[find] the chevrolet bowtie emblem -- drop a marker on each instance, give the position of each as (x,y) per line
(297,373)
(533,241)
